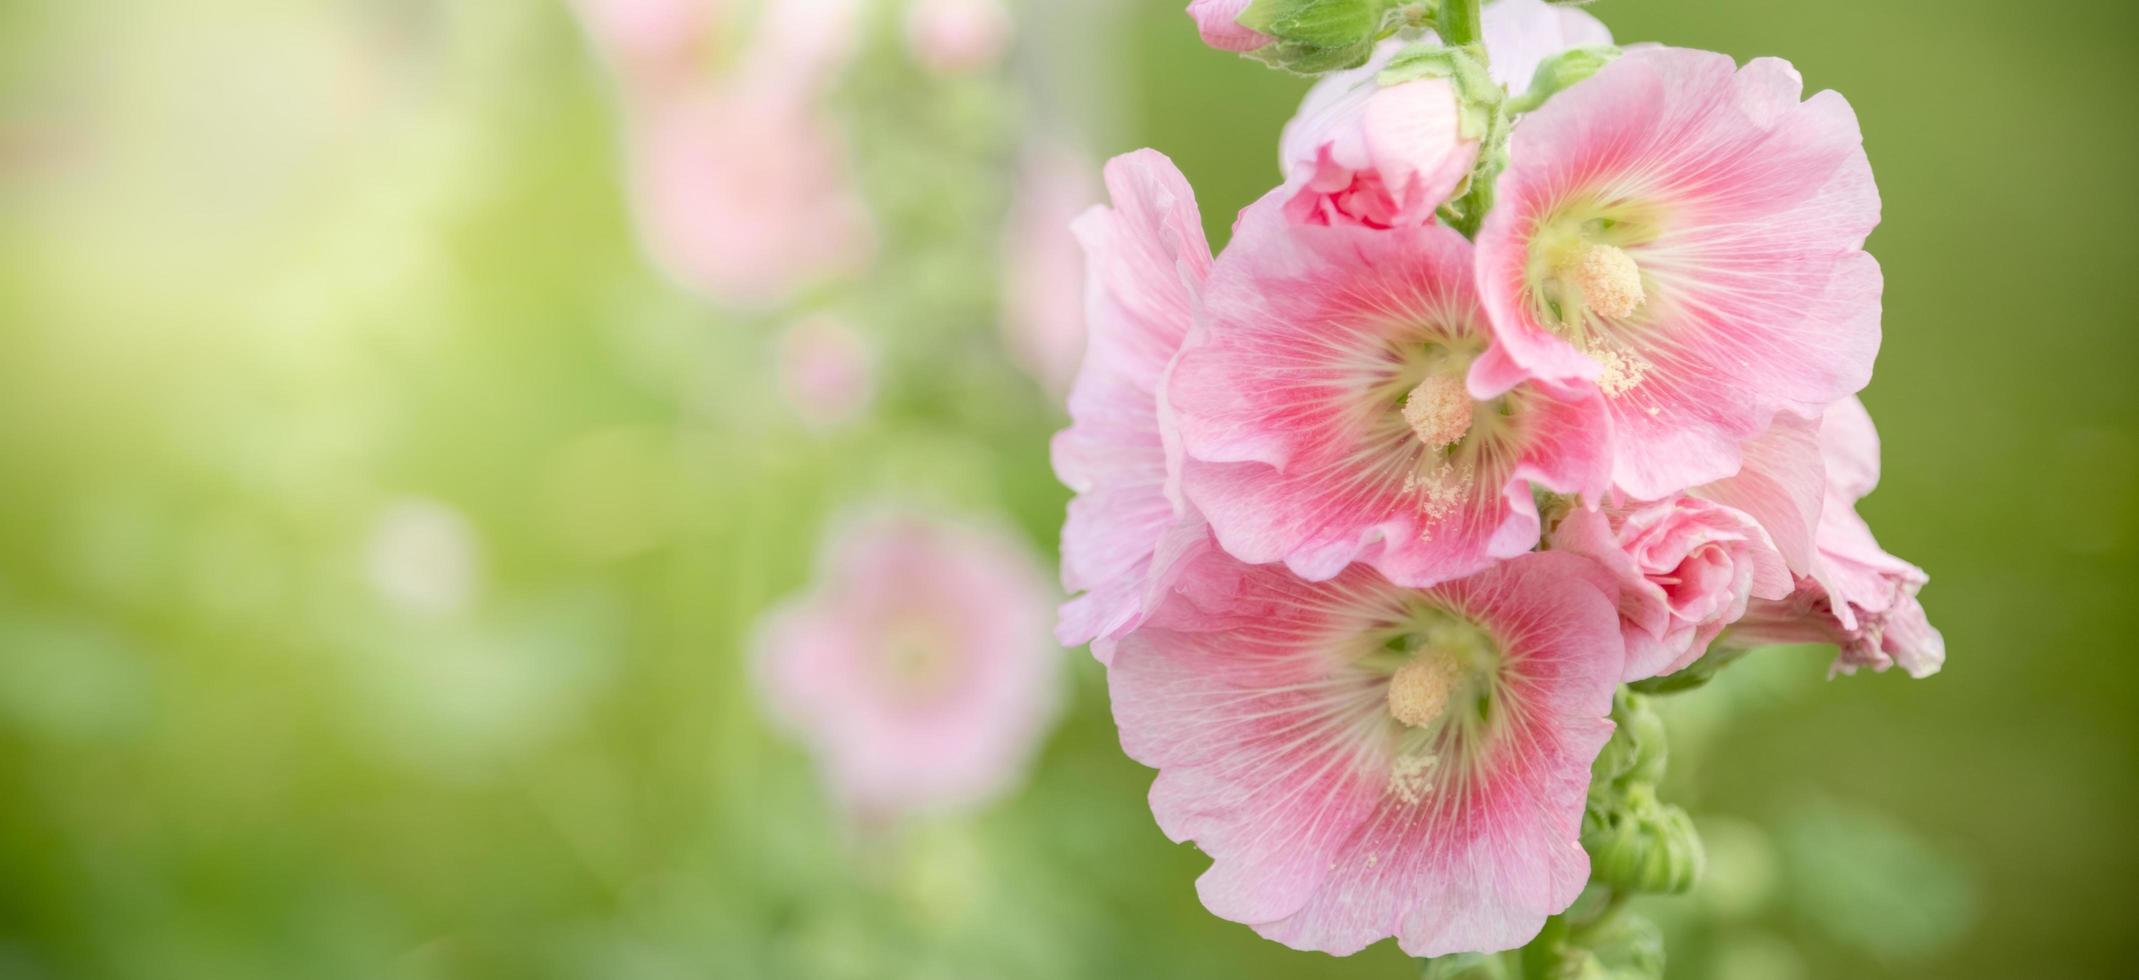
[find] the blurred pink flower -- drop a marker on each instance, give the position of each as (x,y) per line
(1043,276)
(957,37)
(1688,237)
(740,182)
(743,193)
(1324,417)
(1520,34)
(825,371)
(1686,568)
(1855,595)
(1218,22)
(918,669)
(1360,152)
(1147,260)
(1363,761)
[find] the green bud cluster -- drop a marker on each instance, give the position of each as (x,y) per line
(1636,842)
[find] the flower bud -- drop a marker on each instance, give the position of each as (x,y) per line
(1305,36)
(1637,750)
(1372,149)
(1219,23)
(1637,843)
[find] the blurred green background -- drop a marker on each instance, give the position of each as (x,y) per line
(288,289)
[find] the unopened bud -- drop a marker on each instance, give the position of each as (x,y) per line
(1638,844)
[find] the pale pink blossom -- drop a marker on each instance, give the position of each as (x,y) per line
(743,193)
(1360,152)
(1686,568)
(1219,23)
(1043,275)
(917,669)
(1855,595)
(1520,34)
(825,370)
(1363,761)
(741,185)
(958,37)
(1146,260)
(1687,236)
(1324,419)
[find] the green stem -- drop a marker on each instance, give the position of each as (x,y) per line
(1457,22)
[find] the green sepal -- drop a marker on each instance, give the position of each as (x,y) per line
(1560,72)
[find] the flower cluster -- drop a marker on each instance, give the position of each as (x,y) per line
(1374,516)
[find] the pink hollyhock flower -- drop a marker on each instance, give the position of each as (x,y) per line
(1146,261)
(918,669)
(1360,152)
(1686,568)
(1043,277)
(957,37)
(1855,596)
(1323,414)
(1689,237)
(1219,23)
(742,193)
(1520,34)
(825,371)
(1362,760)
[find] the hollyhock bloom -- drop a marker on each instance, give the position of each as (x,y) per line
(743,194)
(739,181)
(1855,596)
(1686,568)
(1520,34)
(918,669)
(1363,761)
(1324,419)
(825,371)
(957,37)
(1043,275)
(1219,23)
(1147,259)
(1360,152)
(1689,237)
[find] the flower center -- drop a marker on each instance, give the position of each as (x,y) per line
(1609,280)
(1419,690)
(1439,410)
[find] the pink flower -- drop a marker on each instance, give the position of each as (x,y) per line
(957,37)
(1361,760)
(1520,34)
(1360,152)
(1043,278)
(1686,569)
(1219,23)
(1146,261)
(1323,414)
(918,669)
(742,193)
(825,372)
(1855,596)
(1689,237)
